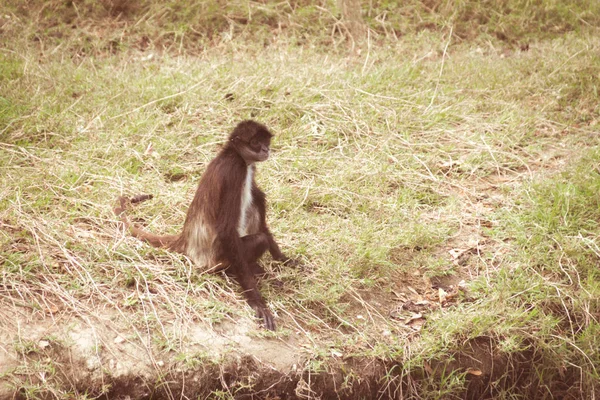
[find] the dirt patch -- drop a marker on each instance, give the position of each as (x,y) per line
(51,357)
(91,355)
(491,373)
(67,356)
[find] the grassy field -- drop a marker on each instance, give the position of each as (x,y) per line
(439,182)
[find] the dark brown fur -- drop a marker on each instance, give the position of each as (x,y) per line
(212,232)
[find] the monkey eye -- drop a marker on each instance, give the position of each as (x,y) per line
(254,142)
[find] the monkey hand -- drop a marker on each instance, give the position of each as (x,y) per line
(264,313)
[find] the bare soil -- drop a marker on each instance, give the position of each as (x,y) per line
(94,358)
(90,355)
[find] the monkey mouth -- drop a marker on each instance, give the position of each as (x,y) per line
(262,156)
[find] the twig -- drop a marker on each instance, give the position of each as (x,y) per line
(159,100)
(437,85)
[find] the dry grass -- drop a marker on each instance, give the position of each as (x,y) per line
(397,173)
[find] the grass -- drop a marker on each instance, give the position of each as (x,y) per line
(398,172)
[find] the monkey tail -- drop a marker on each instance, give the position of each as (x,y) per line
(165,241)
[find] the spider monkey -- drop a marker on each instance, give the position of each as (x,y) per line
(225,227)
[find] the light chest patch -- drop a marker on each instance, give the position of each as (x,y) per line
(246,202)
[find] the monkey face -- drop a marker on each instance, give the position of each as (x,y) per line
(257,149)
(252,141)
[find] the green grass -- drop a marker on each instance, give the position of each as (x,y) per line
(112,26)
(404,168)
(544,300)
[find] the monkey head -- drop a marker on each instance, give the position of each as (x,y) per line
(252,141)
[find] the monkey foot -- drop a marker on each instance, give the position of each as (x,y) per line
(263,313)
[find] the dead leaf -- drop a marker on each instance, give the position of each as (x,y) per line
(119,339)
(416,322)
(427,368)
(473,371)
(561,371)
(457,253)
(84,234)
(336,353)
(149,149)
(449,165)
(442,294)
(52,309)
(485,223)
(415,316)
(400,295)
(411,306)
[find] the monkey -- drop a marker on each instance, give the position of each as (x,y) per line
(225,226)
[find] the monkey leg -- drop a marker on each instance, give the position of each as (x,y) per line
(254,247)
(257,270)
(248,283)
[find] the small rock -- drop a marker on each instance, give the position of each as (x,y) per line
(119,339)
(92,363)
(336,353)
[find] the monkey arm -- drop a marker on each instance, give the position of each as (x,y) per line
(260,201)
(276,251)
(228,213)
(274,247)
